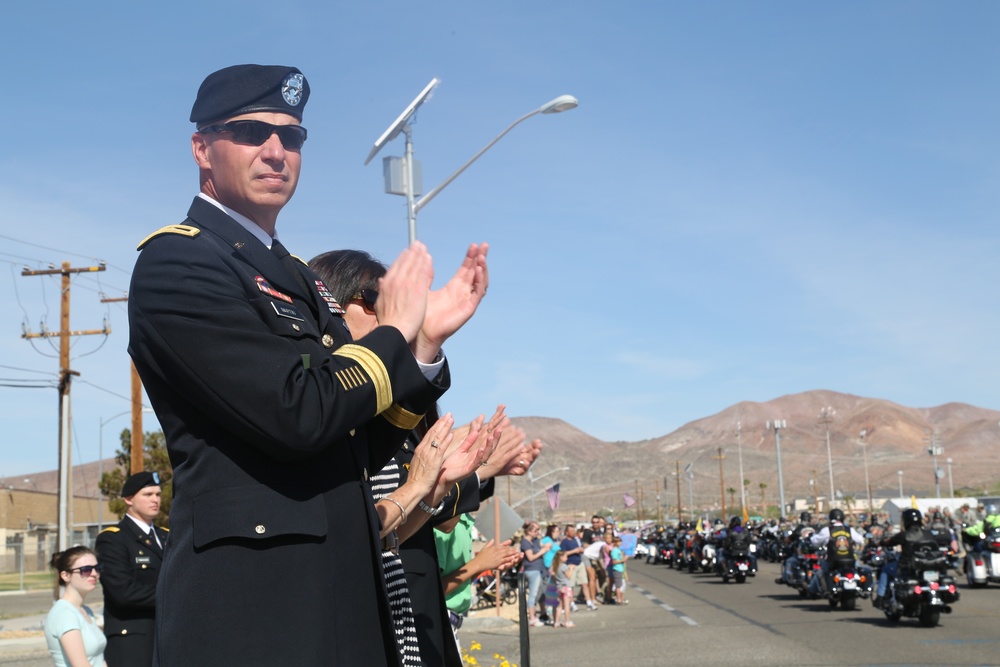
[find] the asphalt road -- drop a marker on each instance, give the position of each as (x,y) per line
(681,619)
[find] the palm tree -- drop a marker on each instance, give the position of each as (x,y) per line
(849,503)
(732,496)
(763,506)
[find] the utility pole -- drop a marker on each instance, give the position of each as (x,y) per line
(680,510)
(65,504)
(722,484)
(136,451)
(638,495)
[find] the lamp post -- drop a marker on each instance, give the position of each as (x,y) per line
(690,476)
(531,481)
(779,424)
(739,449)
(404,123)
(951,484)
(825,417)
(900,473)
(100,463)
(868,486)
(935,451)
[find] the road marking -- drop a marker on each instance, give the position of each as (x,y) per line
(660,603)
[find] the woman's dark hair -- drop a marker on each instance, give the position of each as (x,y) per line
(62,561)
(347,271)
(551,529)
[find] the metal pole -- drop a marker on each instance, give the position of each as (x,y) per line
(900,473)
(411,208)
(691,492)
(531,481)
(743,488)
(778,425)
(868,486)
(951,484)
(825,417)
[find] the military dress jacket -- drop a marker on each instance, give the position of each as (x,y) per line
(423,573)
(131,560)
(274,419)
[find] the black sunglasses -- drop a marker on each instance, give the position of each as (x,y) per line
(85,570)
(256,132)
(368,296)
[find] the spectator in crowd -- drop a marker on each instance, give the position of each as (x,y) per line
(560,572)
(617,570)
(606,564)
(459,566)
(593,562)
(552,535)
(534,568)
(573,549)
(71,631)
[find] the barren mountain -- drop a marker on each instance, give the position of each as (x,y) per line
(896,438)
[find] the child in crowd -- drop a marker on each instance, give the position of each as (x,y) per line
(561,574)
(618,570)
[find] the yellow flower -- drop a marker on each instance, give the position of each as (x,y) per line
(475,646)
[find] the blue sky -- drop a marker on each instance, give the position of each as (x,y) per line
(752,199)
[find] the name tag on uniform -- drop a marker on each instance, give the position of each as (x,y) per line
(143,560)
(291,312)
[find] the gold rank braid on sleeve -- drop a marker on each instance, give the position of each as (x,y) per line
(401,418)
(373,366)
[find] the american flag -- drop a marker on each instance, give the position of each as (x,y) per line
(553,495)
(629,500)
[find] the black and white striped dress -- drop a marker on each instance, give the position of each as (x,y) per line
(384,483)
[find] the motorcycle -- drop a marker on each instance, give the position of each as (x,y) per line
(844,584)
(707,562)
(925,592)
(983,566)
(736,566)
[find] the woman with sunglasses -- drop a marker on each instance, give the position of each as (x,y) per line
(71,631)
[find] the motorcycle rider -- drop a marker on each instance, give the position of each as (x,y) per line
(737,539)
(974,534)
(792,562)
(913,534)
(841,539)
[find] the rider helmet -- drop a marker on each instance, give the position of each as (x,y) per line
(735,521)
(911,517)
(837,514)
(805,517)
(991,510)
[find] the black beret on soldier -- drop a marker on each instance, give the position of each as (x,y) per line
(138,482)
(244,89)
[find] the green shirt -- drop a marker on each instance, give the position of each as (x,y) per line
(454,550)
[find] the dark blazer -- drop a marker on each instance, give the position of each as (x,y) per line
(131,562)
(423,573)
(272,416)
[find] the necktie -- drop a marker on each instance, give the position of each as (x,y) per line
(152,536)
(290,264)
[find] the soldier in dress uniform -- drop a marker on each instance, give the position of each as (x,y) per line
(274,415)
(131,554)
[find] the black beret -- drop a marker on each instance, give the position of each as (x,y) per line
(138,482)
(248,89)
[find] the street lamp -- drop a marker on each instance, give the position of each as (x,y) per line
(868,486)
(739,448)
(100,463)
(935,451)
(403,170)
(531,481)
(825,417)
(779,424)
(951,484)
(900,473)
